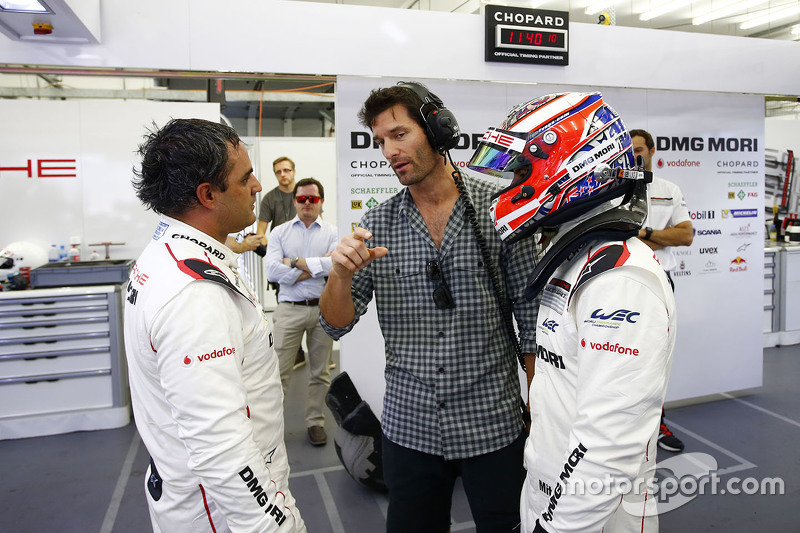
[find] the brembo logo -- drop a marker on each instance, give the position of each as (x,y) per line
(215,354)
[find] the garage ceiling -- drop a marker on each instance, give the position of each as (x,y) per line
(279,101)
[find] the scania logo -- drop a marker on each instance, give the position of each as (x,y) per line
(620,315)
(707,232)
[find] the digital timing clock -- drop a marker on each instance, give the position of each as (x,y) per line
(520,35)
(528,38)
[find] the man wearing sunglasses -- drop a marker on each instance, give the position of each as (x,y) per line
(451,407)
(298,258)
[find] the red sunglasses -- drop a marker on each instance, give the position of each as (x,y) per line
(302,199)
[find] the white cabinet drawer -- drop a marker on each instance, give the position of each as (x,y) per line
(68,361)
(64,393)
(18,335)
(58,344)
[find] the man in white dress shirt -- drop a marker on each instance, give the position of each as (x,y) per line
(667,224)
(298,258)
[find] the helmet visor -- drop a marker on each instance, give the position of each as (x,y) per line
(498,152)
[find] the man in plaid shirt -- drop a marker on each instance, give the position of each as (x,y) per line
(452,402)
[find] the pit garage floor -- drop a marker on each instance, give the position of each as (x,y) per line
(92,481)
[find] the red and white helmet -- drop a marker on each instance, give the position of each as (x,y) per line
(562,149)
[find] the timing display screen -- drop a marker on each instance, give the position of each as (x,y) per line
(522,35)
(531,38)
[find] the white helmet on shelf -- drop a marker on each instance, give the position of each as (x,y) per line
(20,254)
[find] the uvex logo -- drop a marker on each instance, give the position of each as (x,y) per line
(214,354)
(711,250)
(620,315)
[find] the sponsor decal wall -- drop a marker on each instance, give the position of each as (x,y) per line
(65,169)
(711,145)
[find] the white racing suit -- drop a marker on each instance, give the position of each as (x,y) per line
(205,389)
(605,334)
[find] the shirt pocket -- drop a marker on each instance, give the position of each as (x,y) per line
(400,285)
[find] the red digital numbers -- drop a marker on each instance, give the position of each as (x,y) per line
(532,38)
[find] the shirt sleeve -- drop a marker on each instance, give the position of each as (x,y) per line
(265,212)
(518,263)
(361,292)
(680,213)
(320,267)
(277,272)
(622,377)
(208,401)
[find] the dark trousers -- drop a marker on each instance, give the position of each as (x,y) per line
(421,488)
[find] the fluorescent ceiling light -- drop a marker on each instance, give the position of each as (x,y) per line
(731,8)
(24,6)
(592,8)
(663,9)
(770,15)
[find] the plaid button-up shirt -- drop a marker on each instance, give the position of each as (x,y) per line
(452,386)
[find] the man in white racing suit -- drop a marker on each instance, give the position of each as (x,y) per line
(204,379)
(605,338)
(606,323)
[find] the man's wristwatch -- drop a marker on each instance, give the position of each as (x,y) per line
(648,232)
(293,262)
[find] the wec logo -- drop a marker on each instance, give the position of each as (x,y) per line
(550,324)
(620,315)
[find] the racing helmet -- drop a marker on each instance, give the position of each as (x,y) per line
(561,149)
(20,254)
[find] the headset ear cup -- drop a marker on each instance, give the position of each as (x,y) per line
(444,128)
(441,126)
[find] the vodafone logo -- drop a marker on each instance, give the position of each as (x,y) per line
(214,354)
(660,163)
(611,347)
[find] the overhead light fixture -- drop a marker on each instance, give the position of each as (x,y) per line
(25,6)
(770,15)
(593,8)
(664,9)
(726,10)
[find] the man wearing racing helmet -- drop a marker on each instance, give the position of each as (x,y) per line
(606,324)
(452,404)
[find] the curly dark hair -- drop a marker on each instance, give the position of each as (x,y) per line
(379,100)
(179,157)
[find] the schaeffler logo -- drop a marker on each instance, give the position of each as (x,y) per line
(214,354)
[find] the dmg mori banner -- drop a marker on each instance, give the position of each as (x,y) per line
(711,145)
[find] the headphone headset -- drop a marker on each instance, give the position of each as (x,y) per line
(441,126)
